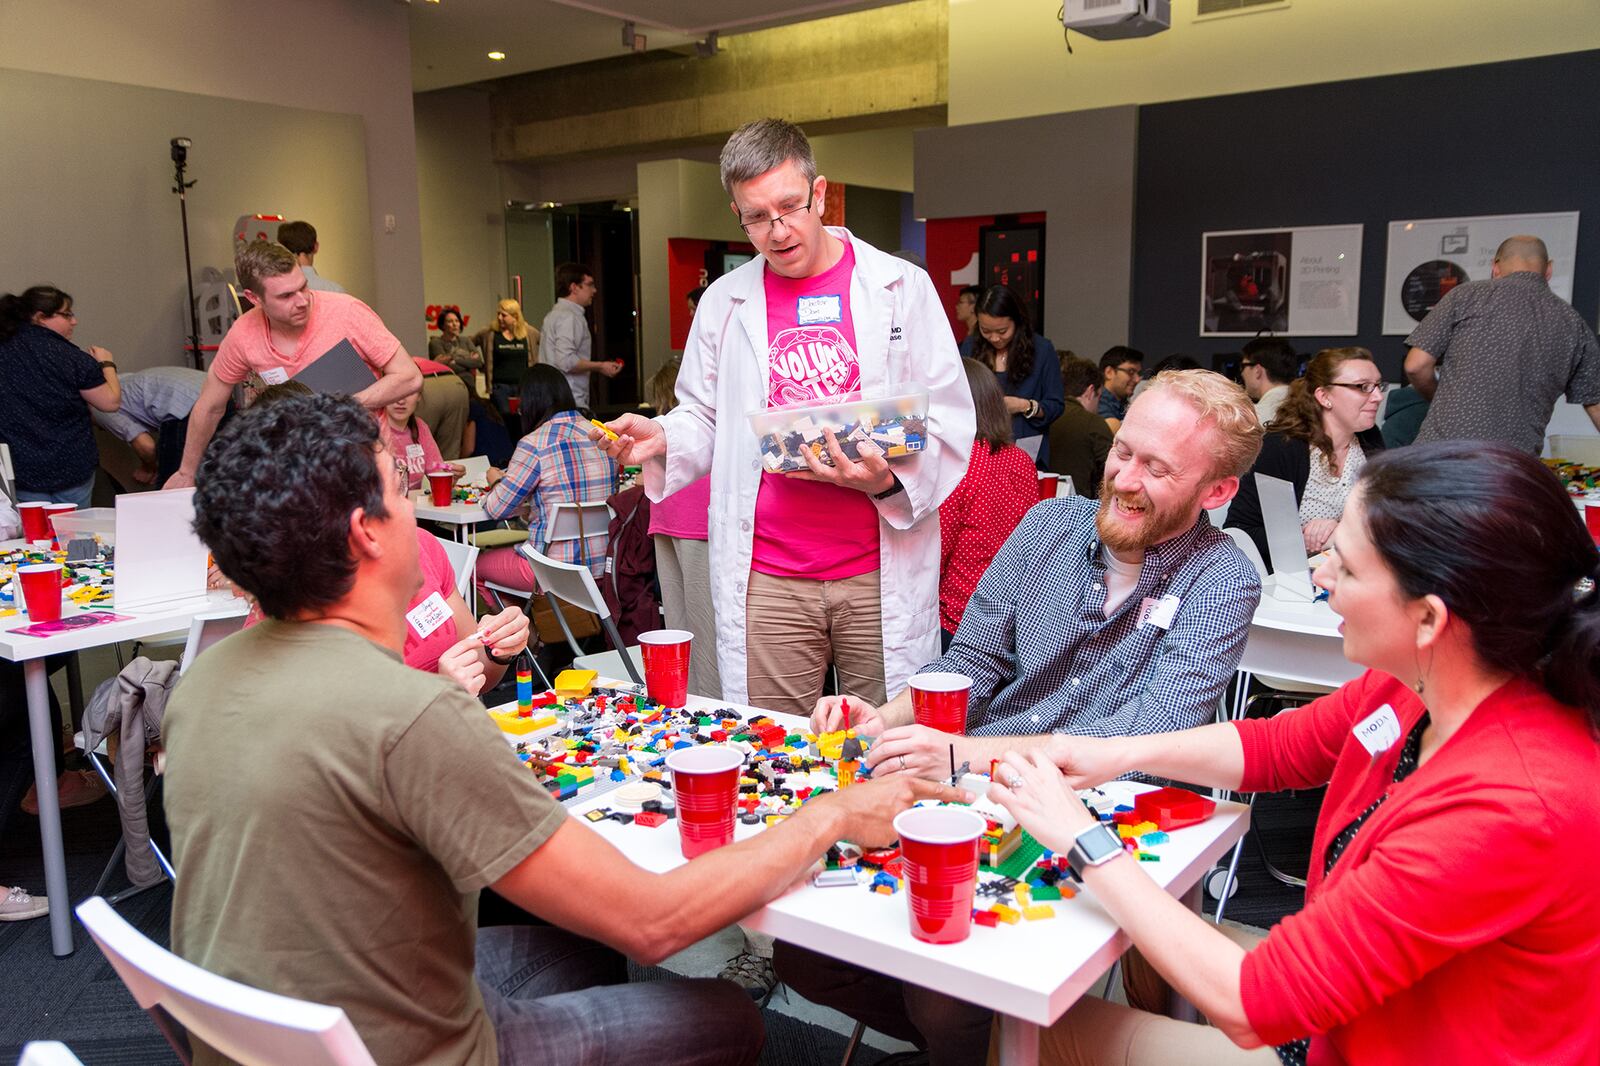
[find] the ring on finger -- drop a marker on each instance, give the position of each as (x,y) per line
(1016,782)
(902,759)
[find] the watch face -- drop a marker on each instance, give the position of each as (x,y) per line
(1098,844)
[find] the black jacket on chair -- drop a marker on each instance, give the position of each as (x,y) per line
(1283,457)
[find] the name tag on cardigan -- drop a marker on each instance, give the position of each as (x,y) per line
(1378,731)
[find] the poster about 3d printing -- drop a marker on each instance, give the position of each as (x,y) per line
(1430,256)
(1301,282)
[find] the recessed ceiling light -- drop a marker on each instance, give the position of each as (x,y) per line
(497,56)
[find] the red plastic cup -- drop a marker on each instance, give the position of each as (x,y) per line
(41,590)
(939,846)
(35,520)
(666,665)
(1591,517)
(50,512)
(442,484)
(1047,486)
(705,781)
(939,701)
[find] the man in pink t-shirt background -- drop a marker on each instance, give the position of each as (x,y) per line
(289,328)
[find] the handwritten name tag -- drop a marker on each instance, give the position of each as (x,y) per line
(428,616)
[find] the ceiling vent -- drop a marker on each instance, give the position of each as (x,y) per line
(1221,8)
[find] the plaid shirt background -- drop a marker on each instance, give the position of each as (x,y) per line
(1044,658)
(557,463)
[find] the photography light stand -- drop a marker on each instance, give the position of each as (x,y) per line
(180,160)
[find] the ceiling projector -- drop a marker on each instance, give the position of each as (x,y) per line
(1112,20)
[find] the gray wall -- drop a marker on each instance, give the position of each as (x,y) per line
(88,205)
(1077,168)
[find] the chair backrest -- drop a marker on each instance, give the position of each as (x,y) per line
(207,629)
(1251,552)
(246,1024)
(48,1053)
(463,557)
(476,468)
(570,582)
(8,475)
(577,521)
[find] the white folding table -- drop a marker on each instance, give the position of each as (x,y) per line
(1029,973)
(31,653)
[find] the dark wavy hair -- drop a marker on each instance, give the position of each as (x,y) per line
(998,301)
(274,494)
(545,393)
(1491,532)
(1299,415)
(17,311)
(438,320)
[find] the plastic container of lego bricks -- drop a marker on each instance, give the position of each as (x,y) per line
(894,418)
(98,523)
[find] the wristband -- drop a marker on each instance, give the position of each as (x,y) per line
(106,364)
(496,659)
(891,490)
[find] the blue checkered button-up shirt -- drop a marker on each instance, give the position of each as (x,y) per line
(1043,657)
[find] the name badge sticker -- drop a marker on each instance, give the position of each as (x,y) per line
(1159,612)
(817,310)
(1378,731)
(428,616)
(275,375)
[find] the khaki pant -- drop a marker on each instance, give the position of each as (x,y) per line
(442,404)
(684,569)
(795,627)
(1095,1032)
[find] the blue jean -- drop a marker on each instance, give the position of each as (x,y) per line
(78,494)
(545,991)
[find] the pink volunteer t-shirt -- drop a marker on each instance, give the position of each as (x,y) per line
(418,449)
(334,317)
(683,514)
(806,528)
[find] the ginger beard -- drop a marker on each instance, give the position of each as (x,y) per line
(1154,527)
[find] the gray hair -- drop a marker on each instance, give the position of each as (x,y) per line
(757,147)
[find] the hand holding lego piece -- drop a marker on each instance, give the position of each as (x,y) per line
(1039,798)
(836,713)
(868,807)
(463,663)
(871,475)
(504,634)
(636,439)
(916,751)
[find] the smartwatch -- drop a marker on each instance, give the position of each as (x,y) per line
(1092,847)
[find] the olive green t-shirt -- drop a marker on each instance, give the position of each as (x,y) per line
(334,814)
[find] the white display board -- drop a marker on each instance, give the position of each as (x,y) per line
(1299,282)
(159,558)
(1427,257)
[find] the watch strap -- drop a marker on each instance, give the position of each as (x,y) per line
(891,490)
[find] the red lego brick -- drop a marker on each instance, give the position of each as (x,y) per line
(649,818)
(1173,808)
(986,918)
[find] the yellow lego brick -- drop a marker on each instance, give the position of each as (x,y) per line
(1024,895)
(1005,914)
(574,684)
(511,722)
(1145,827)
(1126,832)
(1038,911)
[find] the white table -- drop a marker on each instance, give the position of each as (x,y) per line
(463,516)
(1028,973)
(31,652)
(1296,641)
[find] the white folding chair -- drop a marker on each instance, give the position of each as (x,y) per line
(48,1053)
(206,630)
(573,583)
(8,474)
(611,664)
(245,1024)
(464,561)
(568,522)
(1248,547)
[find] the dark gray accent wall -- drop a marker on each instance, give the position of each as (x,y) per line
(1501,138)
(1078,168)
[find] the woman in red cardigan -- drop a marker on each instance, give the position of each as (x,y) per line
(1451,908)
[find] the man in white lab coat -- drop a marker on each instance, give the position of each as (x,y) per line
(838,564)
(798,559)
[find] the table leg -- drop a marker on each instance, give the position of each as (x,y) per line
(46,739)
(1019,1042)
(1177,1006)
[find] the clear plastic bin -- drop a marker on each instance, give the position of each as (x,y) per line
(894,418)
(97,522)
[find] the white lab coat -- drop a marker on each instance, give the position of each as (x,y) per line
(902,335)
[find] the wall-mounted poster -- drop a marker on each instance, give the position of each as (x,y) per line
(1430,256)
(1299,282)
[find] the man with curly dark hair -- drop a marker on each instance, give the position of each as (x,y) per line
(335,813)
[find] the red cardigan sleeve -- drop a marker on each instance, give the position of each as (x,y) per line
(1298,749)
(1415,902)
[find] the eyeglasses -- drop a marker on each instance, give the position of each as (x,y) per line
(753,228)
(65,314)
(1366,388)
(1132,370)
(1246,364)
